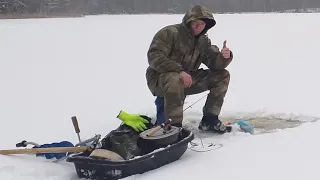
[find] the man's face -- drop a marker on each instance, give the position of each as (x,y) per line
(197,26)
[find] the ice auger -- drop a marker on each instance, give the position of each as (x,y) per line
(57,150)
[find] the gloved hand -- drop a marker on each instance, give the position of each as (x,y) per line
(135,121)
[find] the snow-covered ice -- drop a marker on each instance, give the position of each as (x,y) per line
(92,67)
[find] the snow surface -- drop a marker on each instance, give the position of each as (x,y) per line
(92,67)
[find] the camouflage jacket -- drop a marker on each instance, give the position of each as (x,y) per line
(174,48)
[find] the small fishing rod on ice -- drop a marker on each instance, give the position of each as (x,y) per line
(195,102)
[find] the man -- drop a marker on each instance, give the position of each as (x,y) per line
(174,56)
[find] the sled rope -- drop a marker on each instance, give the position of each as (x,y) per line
(211,146)
(208,148)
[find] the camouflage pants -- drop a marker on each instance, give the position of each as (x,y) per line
(170,86)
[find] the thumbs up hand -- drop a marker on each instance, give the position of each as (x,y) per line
(225,51)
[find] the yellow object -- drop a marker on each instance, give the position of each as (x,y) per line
(135,121)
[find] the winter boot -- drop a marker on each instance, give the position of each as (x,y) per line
(211,123)
(159,102)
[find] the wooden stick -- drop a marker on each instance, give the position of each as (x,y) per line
(76,126)
(44,150)
(154,130)
(157,128)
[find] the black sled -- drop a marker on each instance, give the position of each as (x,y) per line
(141,153)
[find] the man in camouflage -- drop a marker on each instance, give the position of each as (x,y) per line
(175,55)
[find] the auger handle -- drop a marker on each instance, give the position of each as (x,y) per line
(75,124)
(76,127)
(21,144)
(44,150)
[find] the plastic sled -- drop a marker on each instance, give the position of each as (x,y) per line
(105,169)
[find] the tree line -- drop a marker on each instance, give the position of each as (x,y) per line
(87,7)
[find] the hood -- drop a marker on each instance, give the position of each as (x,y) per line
(199,12)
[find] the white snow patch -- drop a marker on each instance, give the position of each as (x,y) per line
(92,67)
